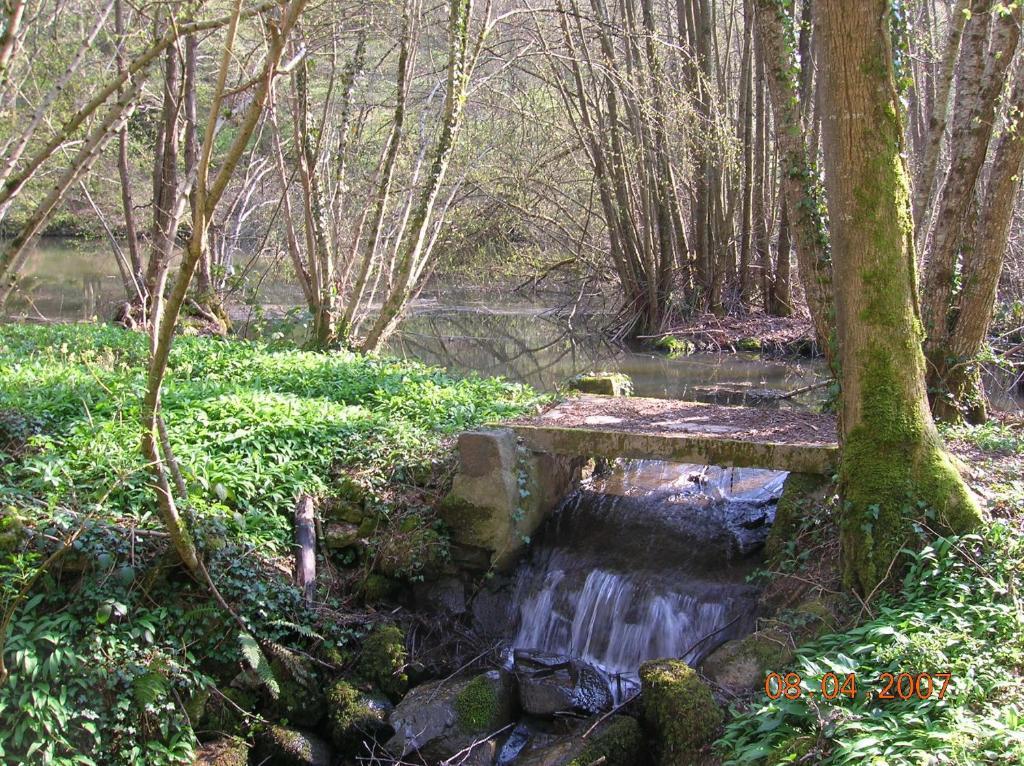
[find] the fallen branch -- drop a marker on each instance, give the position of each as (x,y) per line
(610,713)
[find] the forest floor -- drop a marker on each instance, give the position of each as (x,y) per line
(113,651)
(753,331)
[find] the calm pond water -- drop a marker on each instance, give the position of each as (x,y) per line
(464,328)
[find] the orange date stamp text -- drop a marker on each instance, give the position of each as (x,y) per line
(833,686)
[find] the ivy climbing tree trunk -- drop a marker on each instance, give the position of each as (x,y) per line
(775,30)
(893,466)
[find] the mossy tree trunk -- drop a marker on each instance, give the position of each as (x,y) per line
(801,195)
(893,469)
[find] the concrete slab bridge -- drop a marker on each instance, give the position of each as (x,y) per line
(512,476)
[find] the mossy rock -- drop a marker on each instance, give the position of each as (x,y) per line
(378,587)
(802,495)
(441,718)
(281,746)
(223,752)
(620,741)
(480,705)
(301,697)
(354,717)
(340,534)
(678,709)
(343,509)
(603,383)
(741,665)
(382,660)
(675,346)
(748,344)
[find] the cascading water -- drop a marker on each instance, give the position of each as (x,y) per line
(647,562)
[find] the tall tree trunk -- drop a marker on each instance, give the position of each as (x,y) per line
(962,381)
(923,192)
(892,456)
(746,119)
(799,175)
(759,236)
(782,295)
(983,72)
(133,281)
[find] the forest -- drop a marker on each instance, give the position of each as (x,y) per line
(500,382)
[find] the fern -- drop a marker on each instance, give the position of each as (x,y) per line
(302,630)
(149,688)
(258,662)
(201,612)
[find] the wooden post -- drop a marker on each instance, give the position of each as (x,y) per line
(305,542)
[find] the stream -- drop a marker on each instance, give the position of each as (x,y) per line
(672,585)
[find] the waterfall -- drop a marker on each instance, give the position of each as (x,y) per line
(645,563)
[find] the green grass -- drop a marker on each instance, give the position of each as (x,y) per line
(112,643)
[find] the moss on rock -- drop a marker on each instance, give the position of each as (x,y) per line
(478,704)
(377,588)
(741,665)
(281,746)
(603,383)
(223,752)
(678,709)
(620,742)
(675,346)
(383,658)
(353,717)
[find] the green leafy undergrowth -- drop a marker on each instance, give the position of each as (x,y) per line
(252,426)
(114,645)
(959,613)
(993,436)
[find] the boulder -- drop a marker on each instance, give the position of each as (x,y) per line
(500,496)
(281,746)
(550,684)
(618,740)
(340,534)
(678,709)
(223,752)
(603,383)
(741,665)
(355,717)
(441,718)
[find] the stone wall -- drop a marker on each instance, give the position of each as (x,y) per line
(501,494)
